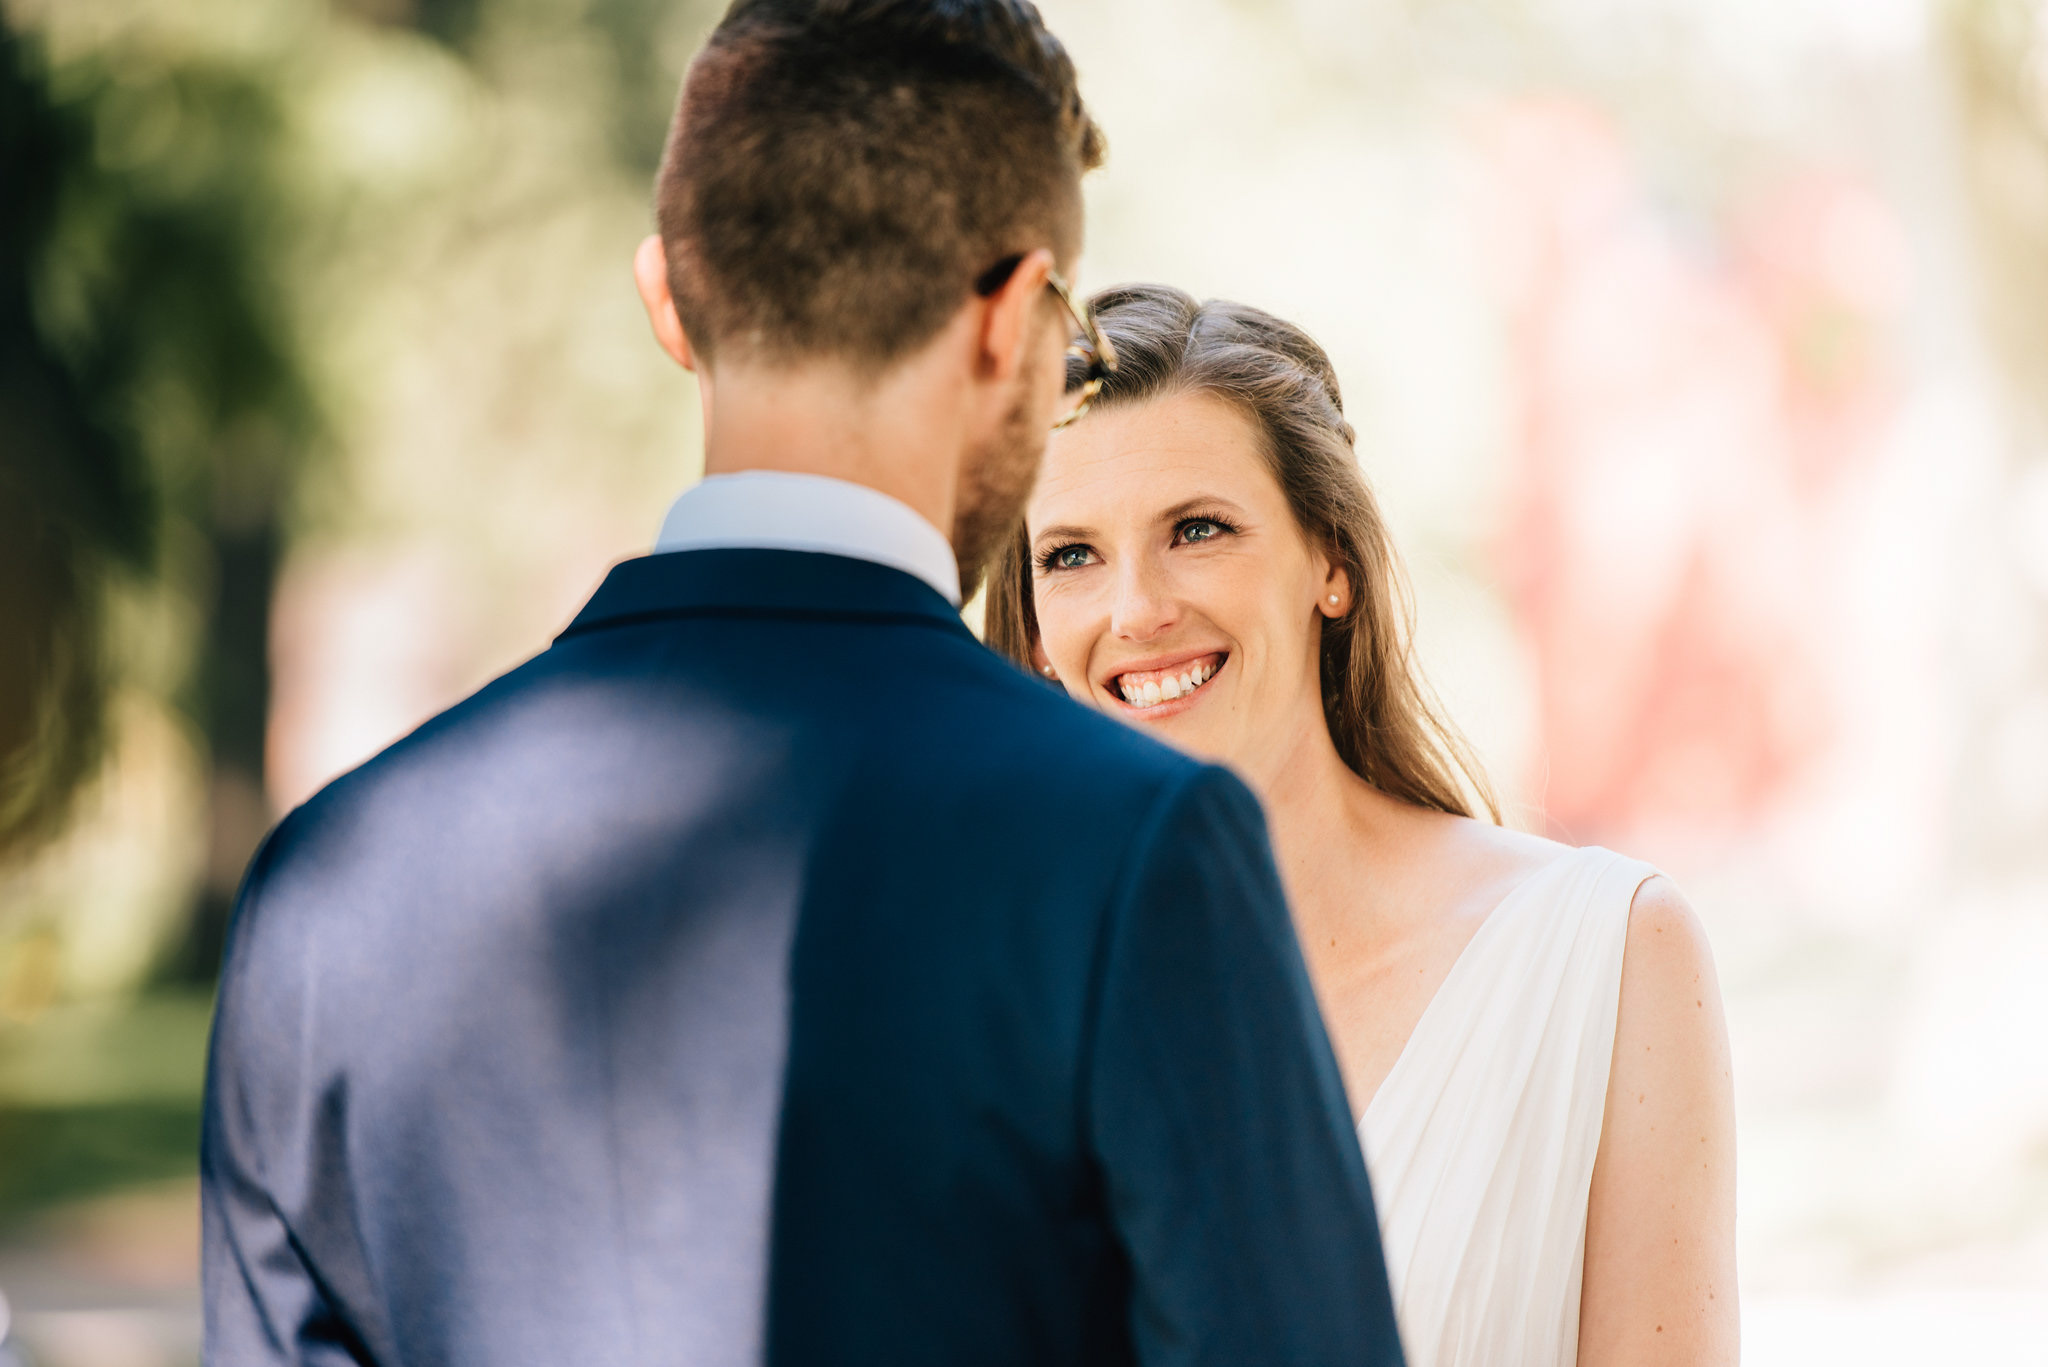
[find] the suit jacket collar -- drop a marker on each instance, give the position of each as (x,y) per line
(763,583)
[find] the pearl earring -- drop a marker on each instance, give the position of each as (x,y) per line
(1333,600)
(1045,670)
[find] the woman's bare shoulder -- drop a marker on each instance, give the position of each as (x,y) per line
(1667,952)
(1671,1038)
(1504,852)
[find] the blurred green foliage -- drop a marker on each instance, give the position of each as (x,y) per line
(99,1096)
(74,1153)
(156,400)
(72,501)
(190,202)
(641,67)
(248,252)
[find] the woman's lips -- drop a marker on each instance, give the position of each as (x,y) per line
(1145,689)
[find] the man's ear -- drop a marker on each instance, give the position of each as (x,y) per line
(650,273)
(1010,315)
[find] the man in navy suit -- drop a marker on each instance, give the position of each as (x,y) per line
(767,972)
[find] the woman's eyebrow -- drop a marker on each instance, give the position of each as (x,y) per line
(1066,533)
(1200,503)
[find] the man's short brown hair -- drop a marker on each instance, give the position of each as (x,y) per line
(840,171)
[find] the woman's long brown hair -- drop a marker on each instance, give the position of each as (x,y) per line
(1386,722)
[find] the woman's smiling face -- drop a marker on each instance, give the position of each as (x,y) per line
(1172,585)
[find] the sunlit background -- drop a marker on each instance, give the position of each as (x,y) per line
(1699,349)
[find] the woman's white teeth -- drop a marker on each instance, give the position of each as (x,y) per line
(1166,687)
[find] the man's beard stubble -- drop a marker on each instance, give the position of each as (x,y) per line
(995,479)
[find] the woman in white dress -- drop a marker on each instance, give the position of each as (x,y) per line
(1531,1034)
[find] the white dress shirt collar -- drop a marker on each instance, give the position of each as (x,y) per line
(775,510)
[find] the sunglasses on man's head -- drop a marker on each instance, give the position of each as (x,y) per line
(1088,345)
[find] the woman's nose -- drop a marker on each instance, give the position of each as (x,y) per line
(1143,607)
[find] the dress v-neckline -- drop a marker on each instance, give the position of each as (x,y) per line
(1458,966)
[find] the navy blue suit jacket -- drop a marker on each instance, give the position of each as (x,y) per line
(769,973)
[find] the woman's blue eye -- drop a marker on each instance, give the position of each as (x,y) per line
(1070,557)
(1200,531)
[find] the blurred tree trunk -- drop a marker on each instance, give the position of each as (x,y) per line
(1998,63)
(233,706)
(1998,52)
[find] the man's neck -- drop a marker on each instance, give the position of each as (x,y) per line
(882,432)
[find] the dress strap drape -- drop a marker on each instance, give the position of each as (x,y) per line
(1481,1141)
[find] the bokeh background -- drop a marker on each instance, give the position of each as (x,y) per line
(1699,349)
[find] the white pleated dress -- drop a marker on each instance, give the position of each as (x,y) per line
(1481,1140)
